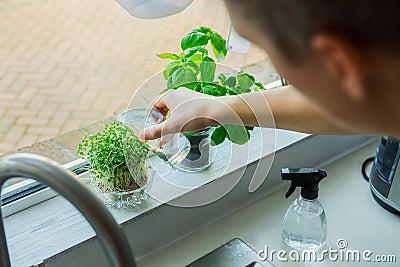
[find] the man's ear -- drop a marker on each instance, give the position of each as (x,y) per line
(343,61)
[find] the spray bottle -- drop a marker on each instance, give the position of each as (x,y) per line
(304,226)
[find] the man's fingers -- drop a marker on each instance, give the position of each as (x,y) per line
(157,131)
(161,104)
(151,132)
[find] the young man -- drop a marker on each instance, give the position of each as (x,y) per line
(341,57)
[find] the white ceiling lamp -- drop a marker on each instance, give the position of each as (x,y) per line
(153,9)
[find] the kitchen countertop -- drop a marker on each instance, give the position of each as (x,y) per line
(352,215)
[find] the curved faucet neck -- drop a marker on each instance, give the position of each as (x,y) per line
(66,184)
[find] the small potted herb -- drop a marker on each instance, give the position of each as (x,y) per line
(195,69)
(119,167)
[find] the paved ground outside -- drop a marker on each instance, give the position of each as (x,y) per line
(67,64)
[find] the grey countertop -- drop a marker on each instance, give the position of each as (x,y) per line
(351,212)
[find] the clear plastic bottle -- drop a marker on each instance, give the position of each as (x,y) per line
(304,226)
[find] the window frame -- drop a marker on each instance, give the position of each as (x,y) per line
(28,193)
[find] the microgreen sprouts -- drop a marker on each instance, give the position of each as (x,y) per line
(106,152)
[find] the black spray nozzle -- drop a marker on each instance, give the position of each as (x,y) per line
(306,178)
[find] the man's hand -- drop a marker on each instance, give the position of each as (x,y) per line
(188,111)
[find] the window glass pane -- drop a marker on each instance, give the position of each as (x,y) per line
(67,64)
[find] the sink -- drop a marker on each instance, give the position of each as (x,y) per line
(235,253)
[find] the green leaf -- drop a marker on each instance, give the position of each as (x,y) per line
(202,29)
(227,79)
(237,134)
(194,39)
(187,134)
(198,87)
(218,45)
(193,66)
(232,91)
(209,90)
(183,76)
(218,136)
(194,50)
(191,86)
(214,90)
(171,68)
(221,90)
(230,81)
(168,55)
(170,84)
(251,77)
(196,58)
(207,70)
(245,82)
(259,86)
(164,91)
(222,77)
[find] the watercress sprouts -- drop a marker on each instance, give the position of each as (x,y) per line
(106,152)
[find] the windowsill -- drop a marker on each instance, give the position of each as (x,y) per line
(54,232)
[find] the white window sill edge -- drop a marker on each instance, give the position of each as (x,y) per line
(54,233)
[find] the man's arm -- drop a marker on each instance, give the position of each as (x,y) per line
(283,108)
(289,108)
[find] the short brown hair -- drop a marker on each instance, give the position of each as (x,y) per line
(291,23)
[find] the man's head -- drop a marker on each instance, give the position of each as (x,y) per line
(344,55)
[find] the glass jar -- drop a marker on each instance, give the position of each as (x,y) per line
(174,150)
(125,199)
(201,154)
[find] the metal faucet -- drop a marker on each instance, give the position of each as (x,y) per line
(48,172)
